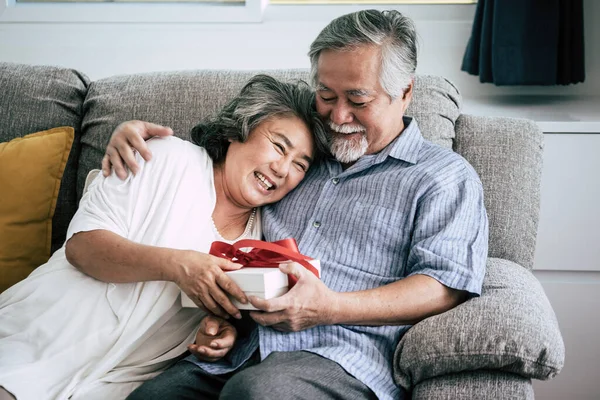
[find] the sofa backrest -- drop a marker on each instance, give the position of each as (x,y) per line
(499,149)
(37,98)
(181,100)
(506,153)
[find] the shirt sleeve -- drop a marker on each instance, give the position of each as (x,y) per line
(115,205)
(450,240)
(106,205)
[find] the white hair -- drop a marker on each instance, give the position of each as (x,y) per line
(393,32)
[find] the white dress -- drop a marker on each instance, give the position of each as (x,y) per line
(66,335)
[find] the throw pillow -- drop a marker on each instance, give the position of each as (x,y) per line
(31,169)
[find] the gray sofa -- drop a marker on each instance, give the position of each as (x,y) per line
(487,348)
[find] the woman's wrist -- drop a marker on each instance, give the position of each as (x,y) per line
(173,269)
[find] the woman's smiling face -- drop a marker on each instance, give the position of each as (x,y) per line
(270,163)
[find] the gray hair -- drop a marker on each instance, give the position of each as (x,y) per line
(394,33)
(262,98)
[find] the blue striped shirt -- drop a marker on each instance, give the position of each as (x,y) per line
(413,208)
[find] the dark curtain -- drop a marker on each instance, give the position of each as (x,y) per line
(527,42)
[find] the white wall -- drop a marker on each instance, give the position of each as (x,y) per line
(280,41)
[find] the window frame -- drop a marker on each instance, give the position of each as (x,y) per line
(373,2)
(139,11)
(120,12)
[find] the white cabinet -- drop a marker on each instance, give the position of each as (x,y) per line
(575,297)
(569,229)
(567,259)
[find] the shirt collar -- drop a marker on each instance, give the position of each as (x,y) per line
(407,145)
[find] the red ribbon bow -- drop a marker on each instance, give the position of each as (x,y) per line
(264,254)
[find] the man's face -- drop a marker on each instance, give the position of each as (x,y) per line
(361,117)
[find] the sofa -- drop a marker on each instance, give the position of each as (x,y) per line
(489,347)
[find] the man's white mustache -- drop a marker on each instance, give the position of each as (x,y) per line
(346,128)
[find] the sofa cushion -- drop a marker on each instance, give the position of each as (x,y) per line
(182,99)
(510,327)
(31,169)
(37,98)
(436,106)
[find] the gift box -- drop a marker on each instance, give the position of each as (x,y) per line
(265,283)
(260,275)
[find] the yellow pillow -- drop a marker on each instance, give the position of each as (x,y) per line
(31,169)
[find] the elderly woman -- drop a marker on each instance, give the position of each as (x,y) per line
(104,314)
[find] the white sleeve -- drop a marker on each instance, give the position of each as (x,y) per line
(111,204)
(105,205)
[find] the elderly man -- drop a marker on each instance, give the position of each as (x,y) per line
(398,223)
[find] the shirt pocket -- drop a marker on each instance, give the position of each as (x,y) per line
(380,239)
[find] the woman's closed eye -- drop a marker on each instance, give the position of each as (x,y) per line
(279,147)
(301,166)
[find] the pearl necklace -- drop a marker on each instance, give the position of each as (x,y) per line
(250,223)
(249,226)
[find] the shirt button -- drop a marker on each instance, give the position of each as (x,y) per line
(335,181)
(316,224)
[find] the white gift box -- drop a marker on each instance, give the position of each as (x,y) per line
(264,283)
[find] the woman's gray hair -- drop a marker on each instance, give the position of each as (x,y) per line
(262,98)
(392,31)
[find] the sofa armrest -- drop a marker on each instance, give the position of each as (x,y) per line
(510,327)
(483,384)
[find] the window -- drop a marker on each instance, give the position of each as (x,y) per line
(380,2)
(180,11)
(135,1)
(131,10)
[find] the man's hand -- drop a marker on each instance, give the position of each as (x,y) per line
(201,276)
(126,138)
(215,338)
(309,303)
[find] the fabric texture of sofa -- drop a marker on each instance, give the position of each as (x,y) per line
(490,347)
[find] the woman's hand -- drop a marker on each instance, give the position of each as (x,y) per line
(215,338)
(201,276)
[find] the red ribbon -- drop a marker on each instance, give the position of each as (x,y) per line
(264,254)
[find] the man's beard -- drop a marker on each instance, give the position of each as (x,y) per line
(347,150)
